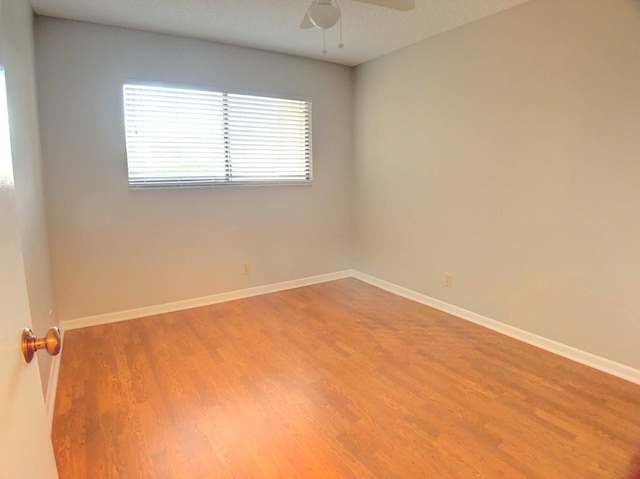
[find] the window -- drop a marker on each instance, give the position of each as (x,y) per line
(6,166)
(180,137)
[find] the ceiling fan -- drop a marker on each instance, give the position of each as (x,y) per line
(323,14)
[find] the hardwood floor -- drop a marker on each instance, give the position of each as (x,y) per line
(334,380)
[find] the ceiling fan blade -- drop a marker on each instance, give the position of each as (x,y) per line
(402,5)
(306,22)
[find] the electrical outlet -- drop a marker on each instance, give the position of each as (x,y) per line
(246,268)
(448,280)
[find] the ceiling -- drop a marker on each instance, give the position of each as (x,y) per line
(368,31)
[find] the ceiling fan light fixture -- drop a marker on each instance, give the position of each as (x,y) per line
(324,15)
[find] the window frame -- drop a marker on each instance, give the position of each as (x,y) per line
(185,182)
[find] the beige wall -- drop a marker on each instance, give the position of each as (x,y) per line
(503,152)
(507,153)
(114,249)
(18,56)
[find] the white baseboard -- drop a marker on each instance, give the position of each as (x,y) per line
(52,386)
(606,365)
(198,302)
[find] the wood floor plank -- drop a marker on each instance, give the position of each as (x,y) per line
(335,380)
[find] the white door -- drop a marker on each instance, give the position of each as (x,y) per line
(25,442)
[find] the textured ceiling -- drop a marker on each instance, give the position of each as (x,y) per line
(368,31)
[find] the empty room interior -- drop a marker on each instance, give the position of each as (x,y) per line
(430,267)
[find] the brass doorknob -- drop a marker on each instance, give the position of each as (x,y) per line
(30,343)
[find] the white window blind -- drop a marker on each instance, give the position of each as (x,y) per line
(180,137)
